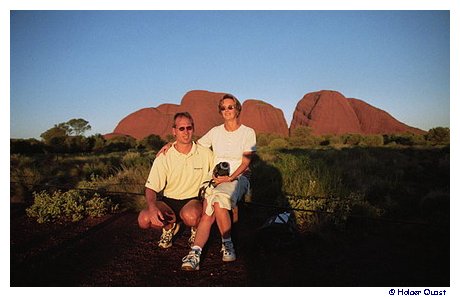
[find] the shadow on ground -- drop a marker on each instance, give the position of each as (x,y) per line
(113,251)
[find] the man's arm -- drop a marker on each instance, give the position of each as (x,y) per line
(155,215)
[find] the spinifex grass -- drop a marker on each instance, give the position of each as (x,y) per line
(330,185)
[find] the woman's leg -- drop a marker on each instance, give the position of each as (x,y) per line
(204,228)
(223,221)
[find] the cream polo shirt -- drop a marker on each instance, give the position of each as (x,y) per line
(178,175)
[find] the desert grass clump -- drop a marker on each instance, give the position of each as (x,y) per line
(135,159)
(126,182)
(67,206)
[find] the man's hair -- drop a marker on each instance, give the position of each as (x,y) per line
(237,103)
(183,115)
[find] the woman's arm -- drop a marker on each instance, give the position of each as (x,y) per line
(246,161)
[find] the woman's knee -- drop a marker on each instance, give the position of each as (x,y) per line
(219,210)
(207,220)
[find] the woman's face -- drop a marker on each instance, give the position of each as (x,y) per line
(228,109)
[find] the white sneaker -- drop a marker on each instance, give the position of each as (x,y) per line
(228,251)
(191,262)
(167,236)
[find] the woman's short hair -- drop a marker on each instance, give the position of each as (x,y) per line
(237,103)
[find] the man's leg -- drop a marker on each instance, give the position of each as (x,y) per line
(191,213)
(170,227)
(170,218)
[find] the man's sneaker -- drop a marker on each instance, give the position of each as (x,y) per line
(228,252)
(191,262)
(167,236)
(191,240)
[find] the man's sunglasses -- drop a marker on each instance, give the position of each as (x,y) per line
(230,107)
(189,128)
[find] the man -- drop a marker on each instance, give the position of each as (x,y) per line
(178,174)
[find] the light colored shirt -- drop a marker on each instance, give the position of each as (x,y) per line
(229,146)
(180,175)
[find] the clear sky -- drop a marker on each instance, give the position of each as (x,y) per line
(103,65)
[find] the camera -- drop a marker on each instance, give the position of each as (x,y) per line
(221,169)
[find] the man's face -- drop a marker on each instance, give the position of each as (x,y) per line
(183,130)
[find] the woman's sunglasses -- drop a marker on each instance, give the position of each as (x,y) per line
(189,128)
(230,107)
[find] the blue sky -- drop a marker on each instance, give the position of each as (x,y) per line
(104,65)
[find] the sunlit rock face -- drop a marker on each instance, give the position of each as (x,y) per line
(329,112)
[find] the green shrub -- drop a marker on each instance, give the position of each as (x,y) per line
(134,159)
(151,142)
(278,143)
(438,135)
(302,137)
(372,140)
(352,139)
(68,206)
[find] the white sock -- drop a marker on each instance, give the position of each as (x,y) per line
(226,239)
(196,248)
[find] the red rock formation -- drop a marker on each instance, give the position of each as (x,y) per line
(168,108)
(144,122)
(264,118)
(326,112)
(203,106)
(377,121)
(329,112)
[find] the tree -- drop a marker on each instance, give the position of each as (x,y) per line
(438,135)
(58,131)
(78,127)
(151,142)
(120,143)
(26,146)
(67,136)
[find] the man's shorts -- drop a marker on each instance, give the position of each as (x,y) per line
(176,205)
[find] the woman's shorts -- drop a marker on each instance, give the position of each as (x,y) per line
(226,194)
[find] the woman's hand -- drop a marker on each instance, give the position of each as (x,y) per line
(164,149)
(222,179)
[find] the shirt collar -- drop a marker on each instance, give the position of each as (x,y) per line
(192,151)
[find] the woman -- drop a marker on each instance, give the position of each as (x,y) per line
(234,143)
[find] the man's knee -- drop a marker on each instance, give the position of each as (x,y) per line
(143,220)
(191,213)
(191,217)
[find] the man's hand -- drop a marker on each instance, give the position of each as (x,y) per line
(156,217)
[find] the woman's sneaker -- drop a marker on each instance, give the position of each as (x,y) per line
(191,262)
(167,236)
(228,251)
(191,239)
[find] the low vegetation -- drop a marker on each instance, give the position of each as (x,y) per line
(325,181)
(72,205)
